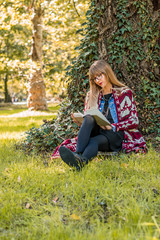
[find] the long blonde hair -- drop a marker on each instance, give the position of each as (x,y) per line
(96,69)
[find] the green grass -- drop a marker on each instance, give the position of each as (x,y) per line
(22,124)
(116,198)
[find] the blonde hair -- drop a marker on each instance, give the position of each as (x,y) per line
(96,69)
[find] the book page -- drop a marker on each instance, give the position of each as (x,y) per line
(101,120)
(78,116)
(99,117)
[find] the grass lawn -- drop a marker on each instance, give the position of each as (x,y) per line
(116,198)
(9,108)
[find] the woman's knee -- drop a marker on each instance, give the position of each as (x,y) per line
(89,119)
(93,143)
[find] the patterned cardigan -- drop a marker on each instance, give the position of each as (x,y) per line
(127,121)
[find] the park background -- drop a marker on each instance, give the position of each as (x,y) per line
(46,48)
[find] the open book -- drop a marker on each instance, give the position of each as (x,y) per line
(99,117)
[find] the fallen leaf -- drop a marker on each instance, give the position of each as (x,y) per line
(147,224)
(6,170)
(55,200)
(18,179)
(27,206)
(75,217)
(125,165)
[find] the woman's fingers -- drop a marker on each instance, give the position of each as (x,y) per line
(72,115)
(74,120)
(106,127)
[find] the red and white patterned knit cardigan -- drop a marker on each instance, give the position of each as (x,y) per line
(127,121)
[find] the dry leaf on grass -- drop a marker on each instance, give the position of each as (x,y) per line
(28,206)
(6,169)
(147,224)
(125,165)
(55,200)
(18,179)
(75,217)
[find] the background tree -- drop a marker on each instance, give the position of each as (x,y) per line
(59,41)
(61,19)
(37,96)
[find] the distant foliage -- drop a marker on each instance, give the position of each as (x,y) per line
(60,21)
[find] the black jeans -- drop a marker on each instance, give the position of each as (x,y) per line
(92,138)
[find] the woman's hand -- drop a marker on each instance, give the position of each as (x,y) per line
(107,127)
(74,120)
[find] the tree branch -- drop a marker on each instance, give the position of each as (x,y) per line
(32,3)
(76,8)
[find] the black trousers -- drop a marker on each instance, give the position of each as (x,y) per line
(92,138)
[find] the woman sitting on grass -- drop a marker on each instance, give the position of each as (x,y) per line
(115,101)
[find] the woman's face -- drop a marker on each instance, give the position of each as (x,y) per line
(101,80)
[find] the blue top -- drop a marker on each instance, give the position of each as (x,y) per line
(112,108)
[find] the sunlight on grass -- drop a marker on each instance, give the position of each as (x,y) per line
(22,124)
(41,198)
(10,111)
(12,135)
(9,108)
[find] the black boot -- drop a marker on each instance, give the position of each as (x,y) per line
(72,159)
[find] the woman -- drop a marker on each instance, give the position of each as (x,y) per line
(115,101)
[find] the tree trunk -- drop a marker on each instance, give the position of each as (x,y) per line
(7,97)
(37,96)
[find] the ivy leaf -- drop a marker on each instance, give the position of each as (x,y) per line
(123,30)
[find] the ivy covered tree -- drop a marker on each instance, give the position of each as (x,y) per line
(128,40)
(125,34)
